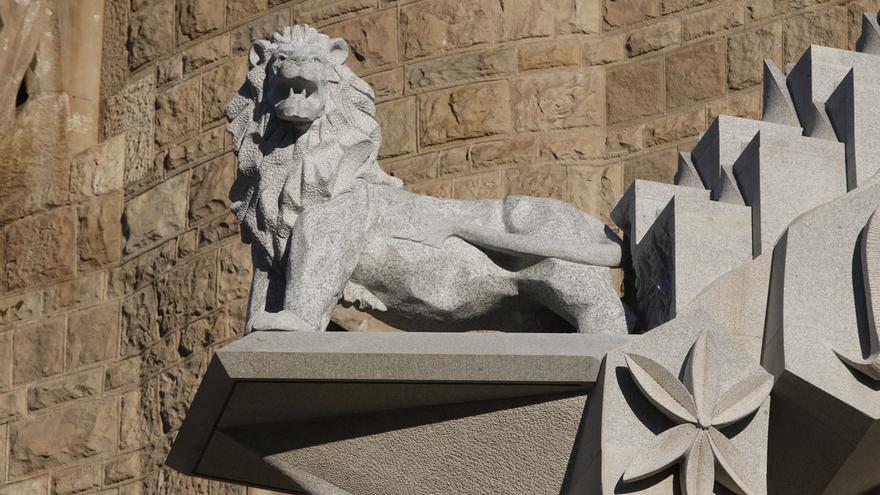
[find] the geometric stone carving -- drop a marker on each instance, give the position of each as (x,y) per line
(869,41)
(778,106)
(870,251)
(699,410)
(817,311)
(399,412)
(689,246)
(781,179)
(852,109)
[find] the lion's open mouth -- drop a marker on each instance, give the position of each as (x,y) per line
(297,86)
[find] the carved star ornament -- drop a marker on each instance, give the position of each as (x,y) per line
(700,412)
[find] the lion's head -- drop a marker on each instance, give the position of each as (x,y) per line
(298,84)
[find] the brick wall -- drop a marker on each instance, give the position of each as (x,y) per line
(122,270)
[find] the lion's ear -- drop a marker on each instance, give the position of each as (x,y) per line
(338,51)
(259,52)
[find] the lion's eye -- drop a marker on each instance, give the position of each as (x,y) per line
(281,57)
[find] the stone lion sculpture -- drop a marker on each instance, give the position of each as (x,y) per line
(327,225)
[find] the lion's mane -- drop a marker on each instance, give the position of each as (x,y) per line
(265,166)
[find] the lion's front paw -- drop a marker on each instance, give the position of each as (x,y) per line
(286,321)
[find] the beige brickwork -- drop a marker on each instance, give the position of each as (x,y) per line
(121,271)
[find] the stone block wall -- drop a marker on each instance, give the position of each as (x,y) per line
(121,266)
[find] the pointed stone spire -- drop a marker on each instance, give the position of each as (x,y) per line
(726,190)
(687,174)
(869,41)
(778,106)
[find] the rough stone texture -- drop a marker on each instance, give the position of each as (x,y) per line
(429,28)
(237,10)
(64,389)
(145,223)
(654,37)
(99,170)
(235,273)
(196,149)
(92,335)
(243,37)
(695,74)
(620,13)
(140,321)
(29,259)
(711,21)
(151,34)
(209,188)
(454,69)
(467,112)
(61,437)
(387,85)
(187,292)
(549,55)
(77,480)
(99,239)
(199,17)
(397,119)
(824,27)
(635,90)
(747,51)
(205,53)
(177,112)
(217,86)
(527,19)
(131,112)
(556,100)
(34,172)
(371,38)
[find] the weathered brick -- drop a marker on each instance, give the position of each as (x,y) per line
(654,37)
(92,334)
(619,13)
(695,74)
(145,268)
(397,119)
(544,181)
(169,70)
(205,53)
(12,405)
(238,10)
(415,169)
(606,49)
(151,34)
(156,214)
(132,112)
(438,189)
(177,112)
(504,153)
(41,248)
(5,361)
(571,146)
(431,28)
(594,189)
(77,479)
(712,21)
(672,6)
(243,37)
(675,127)
(199,17)
(465,112)
(32,486)
(209,187)
(549,55)
(140,321)
(635,90)
(557,100)
(114,56)
(235,272)
(188,243)
(100,230)
(372,39)
(746,104)
(194,150)
(64,389)
(578,17)
(746,52)
(201,334)
(218,86)
(98,170)
(826,27)
(527,19)
(387,85)
(34,172)
(177,388)
(453,161)
(82,291)
(139,416)
(61,437)
(624,140)
(479,186)
(216,230)
(659,166)
(187,292)
(455,69)
(320,12)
